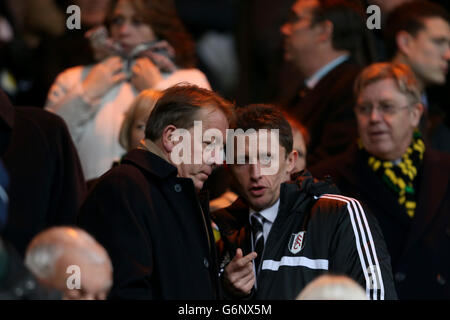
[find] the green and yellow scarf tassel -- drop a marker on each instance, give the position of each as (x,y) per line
(399,176)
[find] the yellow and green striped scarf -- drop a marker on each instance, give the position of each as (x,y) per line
(399,176)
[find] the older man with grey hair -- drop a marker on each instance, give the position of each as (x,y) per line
(400,178)
(70,260)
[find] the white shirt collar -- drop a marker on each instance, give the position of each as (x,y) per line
(315,78)
(270,213)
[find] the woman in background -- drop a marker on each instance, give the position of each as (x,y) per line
(133,125)
(148,48)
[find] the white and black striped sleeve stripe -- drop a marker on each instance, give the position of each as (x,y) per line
(365,246)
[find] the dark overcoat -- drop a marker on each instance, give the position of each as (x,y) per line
(419,247)
(151,223)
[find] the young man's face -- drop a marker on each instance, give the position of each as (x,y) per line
(261,190)
(428,53)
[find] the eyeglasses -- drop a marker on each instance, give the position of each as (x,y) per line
(383,108)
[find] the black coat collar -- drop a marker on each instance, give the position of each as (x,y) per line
(150,163)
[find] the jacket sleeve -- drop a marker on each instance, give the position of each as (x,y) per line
(111,213)
(359,250)
(66,99)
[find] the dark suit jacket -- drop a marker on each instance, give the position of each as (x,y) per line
(151,223)
(47,185)
(419,247)
(327,112)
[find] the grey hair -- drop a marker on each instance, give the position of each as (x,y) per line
(41,259)
(42,255)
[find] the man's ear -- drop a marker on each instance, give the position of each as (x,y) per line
(404,41)
(166,138)
(325,30)
(291,160)
(415,114)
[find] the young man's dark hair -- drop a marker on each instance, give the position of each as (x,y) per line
(263,116)
(179,106)
(347,17)
(410,17)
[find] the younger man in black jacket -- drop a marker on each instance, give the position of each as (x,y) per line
(292,231)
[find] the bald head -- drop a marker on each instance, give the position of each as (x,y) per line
(70,260)
(332,287)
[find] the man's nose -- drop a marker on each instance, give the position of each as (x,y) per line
(447,53)
(124,28)
(255,171)
(375,114)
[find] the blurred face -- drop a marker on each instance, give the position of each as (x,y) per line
(386,6)
(96,279)
(261,191)
(299,35)
(428,53)
(93,12)
(127,27)
(211,118)
(300,147)
(137,130)
(384,134)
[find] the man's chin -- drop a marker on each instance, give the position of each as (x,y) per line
(258,204)
(198,184)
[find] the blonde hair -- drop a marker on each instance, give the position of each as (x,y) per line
(144,102)
(399,72)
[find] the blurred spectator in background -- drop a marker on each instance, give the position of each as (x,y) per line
(321,40)
(23,26)
(213,25)
(300,143)
(132,130)
(69,49)
(16,282)
(386,7)
(263,73)
(332,287)
(148,49)
(47,185)
(400,178)
(58,255)
(418,34)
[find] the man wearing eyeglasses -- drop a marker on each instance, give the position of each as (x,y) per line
(403,181)
(322,40)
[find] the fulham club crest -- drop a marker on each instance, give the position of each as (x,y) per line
(297,242)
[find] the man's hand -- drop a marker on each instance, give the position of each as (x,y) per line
(239,277)
(103,77)
(145,74)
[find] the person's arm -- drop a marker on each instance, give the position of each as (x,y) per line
(359,250)
(77,99)
(116,222)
